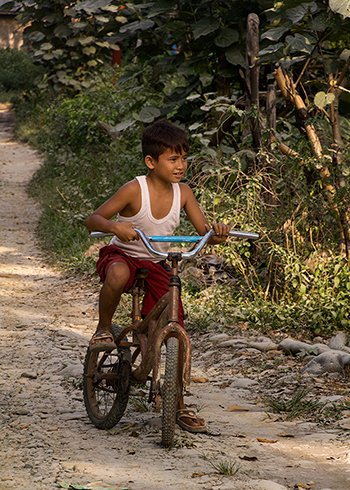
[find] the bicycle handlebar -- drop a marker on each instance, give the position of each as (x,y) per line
(200,240)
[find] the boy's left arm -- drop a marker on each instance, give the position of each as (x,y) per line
(198,219)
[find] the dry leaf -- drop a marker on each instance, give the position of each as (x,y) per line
(236,408)
(266,441)
(197,475)
(199,379)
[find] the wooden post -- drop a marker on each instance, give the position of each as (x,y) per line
(271,112)
(252,76)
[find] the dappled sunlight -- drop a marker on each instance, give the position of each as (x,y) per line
(10,142)
(14,262)
(5,250)
(24,270)
(121,466)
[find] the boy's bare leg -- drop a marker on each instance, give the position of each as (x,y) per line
(116,279)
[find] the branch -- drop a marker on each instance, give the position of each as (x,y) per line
(107,128)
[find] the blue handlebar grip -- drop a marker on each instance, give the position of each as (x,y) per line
(175,239)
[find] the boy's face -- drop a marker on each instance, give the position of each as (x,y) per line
(170,166)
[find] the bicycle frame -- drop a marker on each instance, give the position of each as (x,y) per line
(149,334)
(108,374)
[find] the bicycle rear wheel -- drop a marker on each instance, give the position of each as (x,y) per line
(170,392)
(106,386)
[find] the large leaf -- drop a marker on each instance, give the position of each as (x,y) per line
(205,26)
(234,56)
(36,36)
(46,46)
(111,8)
(320,22)
(52,18)
(226,37)
(299,43)
(62,31)
(149,114)
(276,33)
(91,6)
(8,5)
(124,125)
(345,54)
(272,48)
(89,50)
(322,99)
(297,14)
(133,27)
(79,25)
(85,40)
(341,7)
(103,19)
(58,53)
(121,19)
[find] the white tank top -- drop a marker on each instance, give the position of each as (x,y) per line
(145,221)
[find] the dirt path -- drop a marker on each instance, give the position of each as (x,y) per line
(47,441)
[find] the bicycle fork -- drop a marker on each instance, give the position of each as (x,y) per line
(173,329)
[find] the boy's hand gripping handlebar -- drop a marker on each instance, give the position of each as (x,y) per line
(200,240)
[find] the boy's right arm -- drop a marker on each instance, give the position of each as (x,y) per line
(122,200)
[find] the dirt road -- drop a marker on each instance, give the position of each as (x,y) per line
(47,441)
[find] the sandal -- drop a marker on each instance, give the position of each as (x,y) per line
(184,413)
(102,341)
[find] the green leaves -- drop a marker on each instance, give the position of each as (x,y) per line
(92,6)
(322,99)
(205,26)
(138,25)
(71,41)
(149,114)
(275,33)
(234,56)
(226,37)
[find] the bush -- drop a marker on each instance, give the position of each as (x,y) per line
(291,279)
(82,167)
(18,71)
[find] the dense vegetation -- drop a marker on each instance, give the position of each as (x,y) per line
(263,94)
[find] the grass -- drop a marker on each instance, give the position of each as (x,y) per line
(225,467)
(140,404)
(296,406)
(299,405)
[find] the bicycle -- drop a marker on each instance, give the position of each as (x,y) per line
(109,375)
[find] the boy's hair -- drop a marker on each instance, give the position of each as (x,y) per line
(162,135)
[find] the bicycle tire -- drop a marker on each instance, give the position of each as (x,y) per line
(106,399)
(170,392)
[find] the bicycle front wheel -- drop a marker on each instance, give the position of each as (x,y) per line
(170,392)
(106,386)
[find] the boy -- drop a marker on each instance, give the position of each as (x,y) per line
(151,203)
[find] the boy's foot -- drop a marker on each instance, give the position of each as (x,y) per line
(189,421)
(101,341)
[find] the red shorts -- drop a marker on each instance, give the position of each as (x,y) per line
(156,282)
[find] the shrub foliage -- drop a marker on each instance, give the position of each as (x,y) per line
(280,169)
